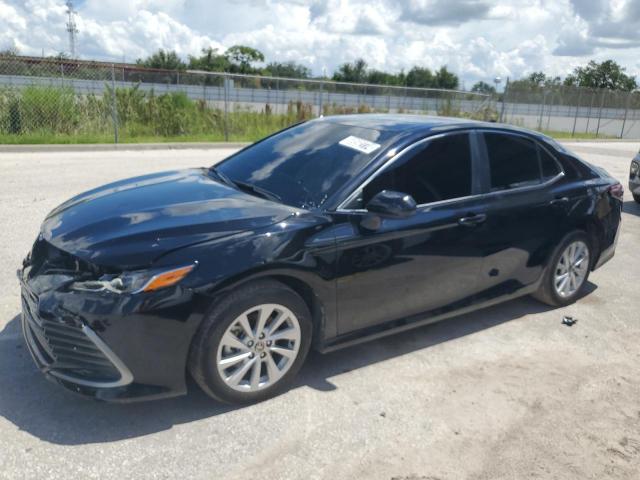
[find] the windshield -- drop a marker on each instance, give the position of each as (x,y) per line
(306,164)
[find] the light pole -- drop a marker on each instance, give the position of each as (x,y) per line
(497,81)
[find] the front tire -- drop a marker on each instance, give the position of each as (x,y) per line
(252,343)
(567,272)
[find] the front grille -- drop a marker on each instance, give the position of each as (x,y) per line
(63,348)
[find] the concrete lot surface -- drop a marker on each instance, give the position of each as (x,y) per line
(503,393)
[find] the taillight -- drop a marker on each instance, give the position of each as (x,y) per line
(617,191)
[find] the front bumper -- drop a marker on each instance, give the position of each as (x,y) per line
(109,346)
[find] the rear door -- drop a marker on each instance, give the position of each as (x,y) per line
(525,216)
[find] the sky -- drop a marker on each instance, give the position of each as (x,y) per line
(477,39)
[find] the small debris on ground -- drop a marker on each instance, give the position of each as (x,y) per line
(569,321)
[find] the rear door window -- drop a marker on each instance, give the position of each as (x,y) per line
(549,165)
(516,161)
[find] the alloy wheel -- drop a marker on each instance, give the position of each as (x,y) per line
(572,269)
(258,347)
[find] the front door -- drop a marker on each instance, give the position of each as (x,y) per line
(427,262)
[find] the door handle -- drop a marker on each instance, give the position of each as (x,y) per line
(559,201)
(472,220)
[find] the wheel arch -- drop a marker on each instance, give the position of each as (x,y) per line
(317,294)
(595,233)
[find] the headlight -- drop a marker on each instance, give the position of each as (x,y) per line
(634,168)
(135,282)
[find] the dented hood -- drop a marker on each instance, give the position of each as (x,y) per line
(132,222)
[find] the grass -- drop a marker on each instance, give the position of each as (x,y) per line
(578,135)
(53,115)
(93,138)
(252,135)
(60,139)
(48,115)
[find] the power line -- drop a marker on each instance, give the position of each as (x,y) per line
(72,29)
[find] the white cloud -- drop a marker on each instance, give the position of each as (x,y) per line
(478,39)
(10,17)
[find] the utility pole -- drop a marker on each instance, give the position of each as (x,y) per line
(72,30)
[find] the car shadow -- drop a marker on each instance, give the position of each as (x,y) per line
(631,207)
(54,415)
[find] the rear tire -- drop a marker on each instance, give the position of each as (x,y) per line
(567,272)
(252,343)
(636,197)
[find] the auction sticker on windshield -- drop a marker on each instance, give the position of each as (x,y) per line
(359,144)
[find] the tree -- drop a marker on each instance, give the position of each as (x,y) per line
(241,59)
(535,81)
(540,79)
(537,78)
(446,79)
(209,61)
(380,77)
(607,74)
(166,60)
(9,52)
(420,77)
(237,59)
(287,70)
(483,87)
(352,72)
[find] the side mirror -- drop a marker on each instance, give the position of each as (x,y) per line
(390,204)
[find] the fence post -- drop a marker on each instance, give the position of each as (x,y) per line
(225,81)
(550,109)
(320,99)
(504,99)
(575,118)
(514,106)
(114,104)
(626,111)
(586,130)
(544,100)
(604,91)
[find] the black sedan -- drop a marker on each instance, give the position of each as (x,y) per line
(331,232)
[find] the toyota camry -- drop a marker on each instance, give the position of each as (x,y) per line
(328,233)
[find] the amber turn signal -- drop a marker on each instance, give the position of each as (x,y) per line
(166,279)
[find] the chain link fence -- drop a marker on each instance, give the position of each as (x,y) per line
(45,101)
(57,101)
(573,111)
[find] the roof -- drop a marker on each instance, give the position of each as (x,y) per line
(409,123)
(395,122)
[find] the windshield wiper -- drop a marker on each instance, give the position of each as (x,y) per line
(249,187)
(244,186)
(221,176)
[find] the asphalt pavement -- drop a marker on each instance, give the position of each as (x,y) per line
(508,392)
